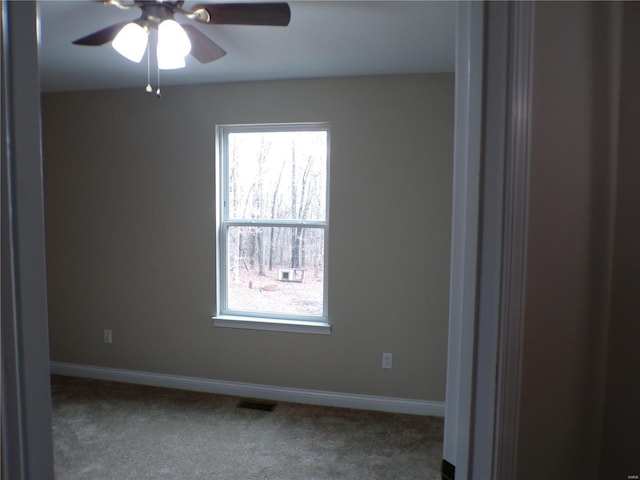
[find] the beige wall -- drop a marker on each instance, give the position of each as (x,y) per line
(129,193)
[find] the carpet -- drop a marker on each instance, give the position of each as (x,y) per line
(116,431)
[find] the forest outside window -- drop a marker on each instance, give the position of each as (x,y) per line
(272,226)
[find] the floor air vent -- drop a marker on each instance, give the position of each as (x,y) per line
(264,407)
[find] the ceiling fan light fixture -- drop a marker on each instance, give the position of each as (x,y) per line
(173,45)
(173,42)
(131,41)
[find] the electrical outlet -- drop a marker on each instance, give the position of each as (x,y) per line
(387,360)
(107,336)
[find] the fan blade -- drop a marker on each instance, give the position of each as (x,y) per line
(203,48)
(271,14)
(101,36)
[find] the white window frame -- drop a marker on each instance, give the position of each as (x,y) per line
(224,316)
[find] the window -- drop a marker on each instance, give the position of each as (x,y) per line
(272,226)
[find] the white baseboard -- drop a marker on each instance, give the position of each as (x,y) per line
(251,390)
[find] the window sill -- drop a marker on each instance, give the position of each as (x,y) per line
(274,325)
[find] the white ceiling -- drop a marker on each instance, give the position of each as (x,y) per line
(324,39)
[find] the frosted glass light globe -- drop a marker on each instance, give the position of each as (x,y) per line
(173,45)
(131,41)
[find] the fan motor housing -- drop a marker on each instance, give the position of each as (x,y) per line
(156,13)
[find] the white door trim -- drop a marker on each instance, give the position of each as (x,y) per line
(465,236)
(27,440)
(488,268)
(516,214)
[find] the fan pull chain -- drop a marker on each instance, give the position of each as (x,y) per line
(148,88)
(158,94)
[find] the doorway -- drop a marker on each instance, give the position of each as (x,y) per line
(37,368)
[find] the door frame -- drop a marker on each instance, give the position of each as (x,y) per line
(27,440)
(488,243)
(494,68)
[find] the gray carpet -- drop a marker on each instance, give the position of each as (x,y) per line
(114,431)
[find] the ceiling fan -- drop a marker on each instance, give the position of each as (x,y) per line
(175,41)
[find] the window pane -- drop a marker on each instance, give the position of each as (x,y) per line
(277,270)
(277,175)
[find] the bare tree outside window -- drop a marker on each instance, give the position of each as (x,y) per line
(273,220)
